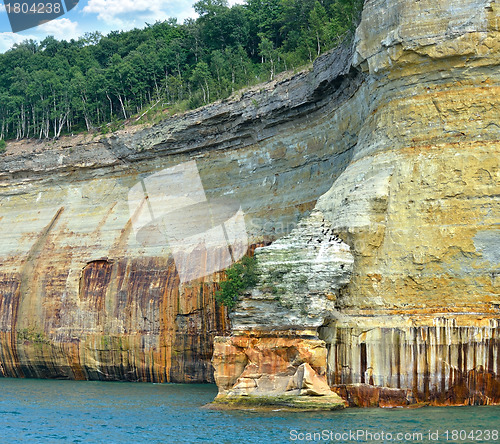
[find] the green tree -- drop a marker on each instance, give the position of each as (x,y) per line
(269,55)
(201,77)
(317,21)
(210,8)
(240,277)
(53,87)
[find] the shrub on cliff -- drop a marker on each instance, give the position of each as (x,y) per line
(240,277)
(2,146)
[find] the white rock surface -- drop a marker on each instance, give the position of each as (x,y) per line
(300,277)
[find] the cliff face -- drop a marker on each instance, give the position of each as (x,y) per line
(81,296)
(421,313)
(419,207)
(388,289)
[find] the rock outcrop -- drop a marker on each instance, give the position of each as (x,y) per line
(273,351)
(419,204)
(280,369)
(300,276)
(387,151)
(419,207)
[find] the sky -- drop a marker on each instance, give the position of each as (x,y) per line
(99,15)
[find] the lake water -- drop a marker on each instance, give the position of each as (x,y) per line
(45,411)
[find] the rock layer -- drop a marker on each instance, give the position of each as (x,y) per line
(445,363)
(419,207)
(277,367)
(82,297)
(421,312)
(404,124)
(300,277)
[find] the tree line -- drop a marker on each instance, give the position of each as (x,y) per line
(53,87)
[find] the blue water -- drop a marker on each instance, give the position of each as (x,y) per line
(44,411)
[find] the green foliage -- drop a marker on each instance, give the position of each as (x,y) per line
(55,87)
(111,126)
(2,146)
(240,277)
(32,335)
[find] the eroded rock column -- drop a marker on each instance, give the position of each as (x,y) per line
(274,355)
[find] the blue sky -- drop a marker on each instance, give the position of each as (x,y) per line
(99,15)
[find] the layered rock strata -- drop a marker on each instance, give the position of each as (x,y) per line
(83,296)
(404,124)
(421,312)
(300,276)
(419,206)
(273,351)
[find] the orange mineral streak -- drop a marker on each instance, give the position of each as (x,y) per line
(131,321)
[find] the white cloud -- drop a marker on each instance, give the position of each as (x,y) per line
(128,14)
(112,14)
(143,10)
(8,39)
(61,29)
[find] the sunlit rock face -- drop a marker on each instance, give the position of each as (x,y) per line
(90,287)
(419,207)
(390,146)
(261,366)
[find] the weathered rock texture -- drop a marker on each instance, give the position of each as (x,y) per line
(274,351)
(300,276)
(405,125)
(82,297)
(419,206)
(281,368)
(402,360)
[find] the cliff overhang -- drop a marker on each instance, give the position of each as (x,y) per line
(370,191)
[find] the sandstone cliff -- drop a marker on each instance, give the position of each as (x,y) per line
(81,297)
(394,142)
(418,205)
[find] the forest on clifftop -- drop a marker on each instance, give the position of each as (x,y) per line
(97,82)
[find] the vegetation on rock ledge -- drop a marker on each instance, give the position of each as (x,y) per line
(240,277)
(32,335)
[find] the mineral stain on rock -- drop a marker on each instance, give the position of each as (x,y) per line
(371,182)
